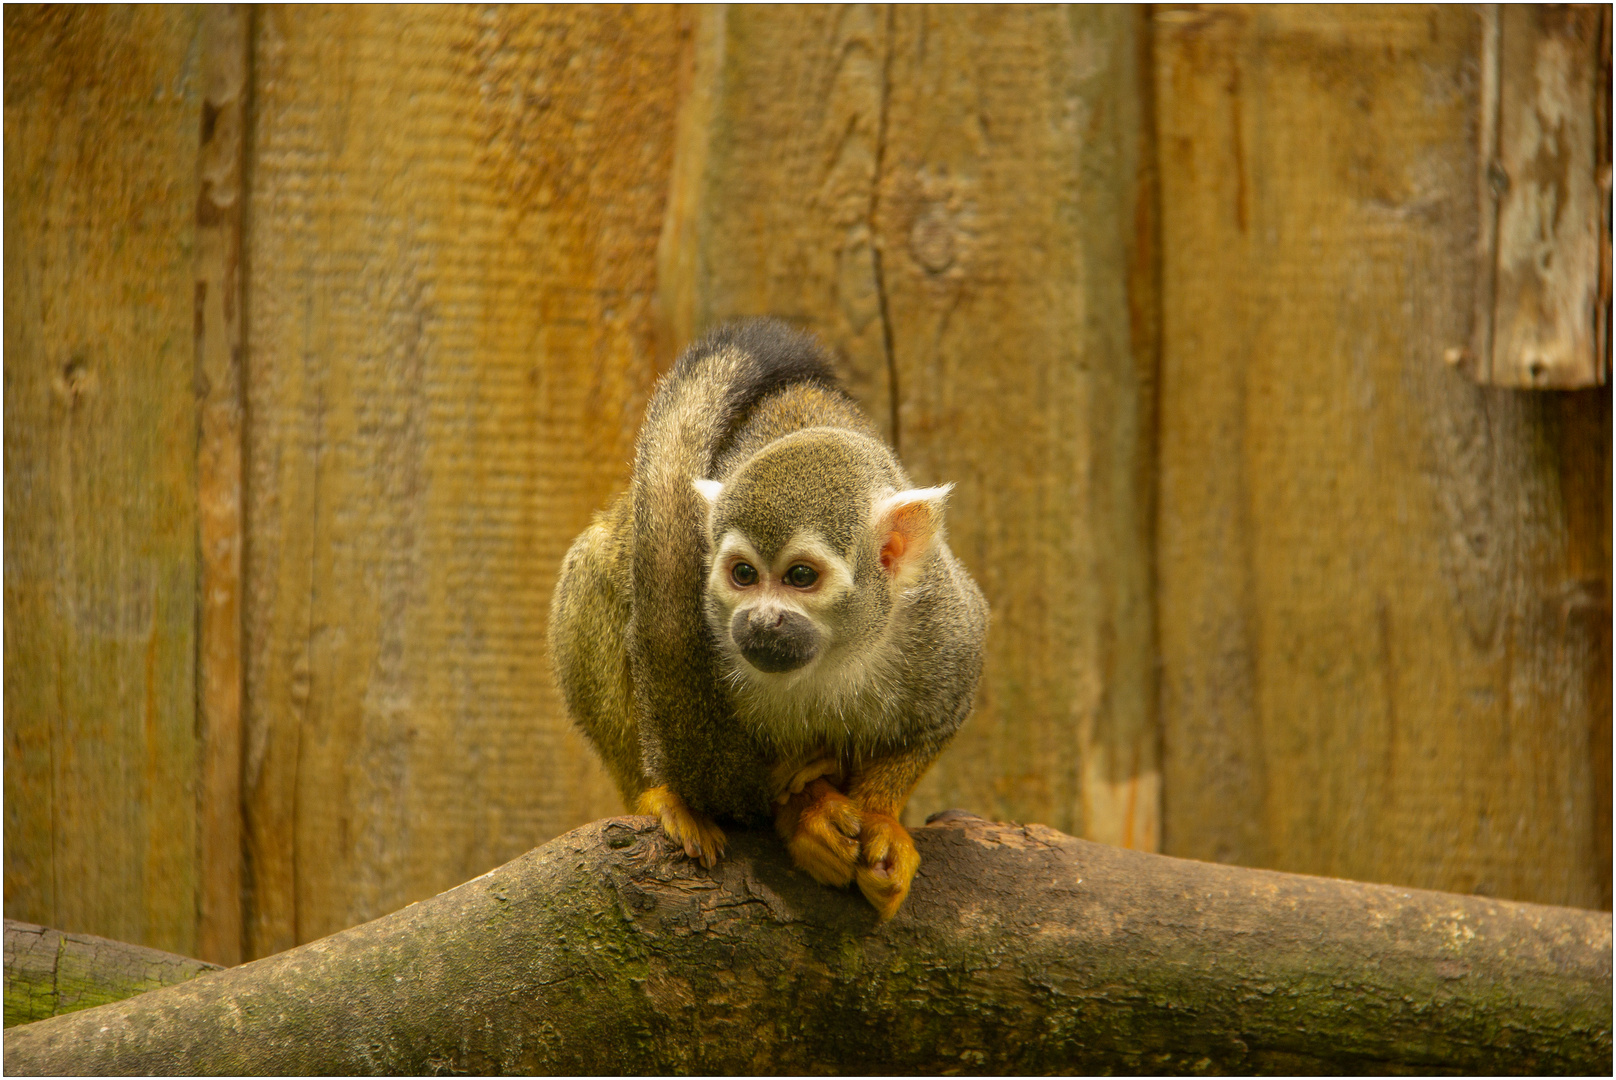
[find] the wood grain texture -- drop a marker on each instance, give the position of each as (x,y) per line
(1384,591)
(101,114)
(957,200)
(775,183)
(220,315)
(452,330)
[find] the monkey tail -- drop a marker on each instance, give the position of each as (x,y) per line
(694,413)
(718,380)
(699,406)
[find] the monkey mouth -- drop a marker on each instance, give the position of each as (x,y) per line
(775,662)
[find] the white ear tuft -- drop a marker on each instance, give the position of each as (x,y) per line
(907,524)
(709,490)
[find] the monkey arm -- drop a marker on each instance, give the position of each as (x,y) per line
(880,787)
(883,784)
(589,615)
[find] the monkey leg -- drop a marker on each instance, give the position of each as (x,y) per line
(701,839)
(887,857)
(821,826)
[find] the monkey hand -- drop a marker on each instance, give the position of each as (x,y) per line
(701,839)
(788,780)
(887,863)
(820,826)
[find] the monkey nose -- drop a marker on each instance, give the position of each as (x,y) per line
(775,639)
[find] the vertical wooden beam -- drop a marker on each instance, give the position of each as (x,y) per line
(1384,590)
(776,182)
(100,471)
(452,242)
(219,339)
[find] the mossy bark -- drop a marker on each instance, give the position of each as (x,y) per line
(1021,950)
(49,973)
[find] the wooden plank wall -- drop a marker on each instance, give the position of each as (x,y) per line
(452,247)
(1216,459)
(101,113)
(1384,591)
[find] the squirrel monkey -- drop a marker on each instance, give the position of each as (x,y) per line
(768,624)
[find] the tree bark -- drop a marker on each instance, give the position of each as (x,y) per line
(1020,950)
(49,973)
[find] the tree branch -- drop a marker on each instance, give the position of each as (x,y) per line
(49,973)
(1020,950)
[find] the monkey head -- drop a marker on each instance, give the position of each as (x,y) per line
(812,542)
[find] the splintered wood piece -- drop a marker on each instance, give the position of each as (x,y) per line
(1545,185)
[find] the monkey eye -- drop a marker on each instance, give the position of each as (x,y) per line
(801,576)
(743,574)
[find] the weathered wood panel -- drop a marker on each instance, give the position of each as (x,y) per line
(957,201)
(101,113)
(1545,186)
(451,332)
(1384,591)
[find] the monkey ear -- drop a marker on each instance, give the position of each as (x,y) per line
(709,490)
(907,524)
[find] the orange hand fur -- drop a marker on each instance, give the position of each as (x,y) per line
(841,838)
(821,826)
(887,863)
(700,838)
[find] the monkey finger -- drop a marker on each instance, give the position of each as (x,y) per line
(702,841)
(884,894)
(801,778)
(824,860)
(711,846)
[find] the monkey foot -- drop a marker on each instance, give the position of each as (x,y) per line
(820,826)
(701,839)
(887,863)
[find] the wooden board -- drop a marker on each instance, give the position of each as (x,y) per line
(220,319)
(1545,173)
(451,339)
(957,201)
(101,114)
(1384,591)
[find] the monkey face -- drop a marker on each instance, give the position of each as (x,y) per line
(813,544)
(778,612)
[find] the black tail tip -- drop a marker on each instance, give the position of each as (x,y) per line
(784,353)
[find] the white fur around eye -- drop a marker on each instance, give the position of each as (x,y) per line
(732,546)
